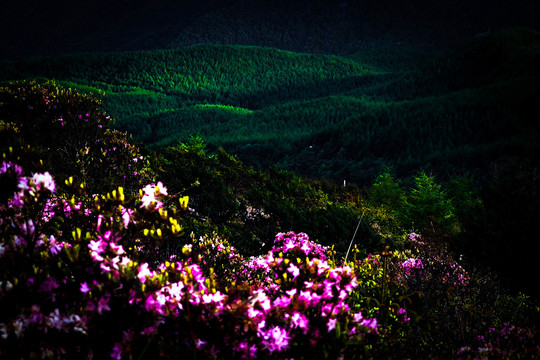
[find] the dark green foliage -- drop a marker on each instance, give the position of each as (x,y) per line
(428,207)
(70,134)
(506,228)
(323,116)
(249,206)
(387,192)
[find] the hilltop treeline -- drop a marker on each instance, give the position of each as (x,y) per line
(315,26)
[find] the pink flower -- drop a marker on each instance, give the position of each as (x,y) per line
(103,304)
(150,193)
(309,297)
(54,246)
(412,263)
(306,248)
(294,270)
(105,268)
(289,244)
(358,317)
(299,320)
(263,300)
(331,324)
(371,323)
(282,301)
(291,292)
(7,165)
(127,215)
(275,339)
(44,181)
(215,298)
(246,351)
(117,351)
(199,343)
(155,303)
(118,249)
(98,246)
(253,313)
(144,272)
(84,288)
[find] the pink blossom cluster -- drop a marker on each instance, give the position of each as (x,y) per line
(412,263)
(67,282)
(310,294)
(298,244)
(151,195)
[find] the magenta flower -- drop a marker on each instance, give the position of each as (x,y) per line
(371,323)
(149,195)
(412,263)
(9,165)
(213,298)
(44,181)
(54,246)
(144,272)
(98,245)
(263,300)
(118,249)
(199,343)
(294,270)
(331,324)
(254,313)
(103,304)
(48,285)
(309,297)
(127,215)
(117,351)
(299,320)
(282,301)
(275,339)
(246,351)
(84,288)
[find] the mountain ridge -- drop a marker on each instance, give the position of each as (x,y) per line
(32,28)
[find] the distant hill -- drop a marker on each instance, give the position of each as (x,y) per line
(33,28)
(323,116)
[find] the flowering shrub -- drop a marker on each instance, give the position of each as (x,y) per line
(90,269)
(427,303)
(71,136)
(93,286)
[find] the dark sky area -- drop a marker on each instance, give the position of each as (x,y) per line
(33,28)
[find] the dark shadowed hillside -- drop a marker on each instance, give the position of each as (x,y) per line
(31,28)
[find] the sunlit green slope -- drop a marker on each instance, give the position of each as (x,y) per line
(323,116)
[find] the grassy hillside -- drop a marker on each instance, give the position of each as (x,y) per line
(320,115)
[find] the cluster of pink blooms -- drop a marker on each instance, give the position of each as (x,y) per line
(415,238)
(456,275)
(151,195)
(412,263)
(310,292)
(303,299)
(285,242)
